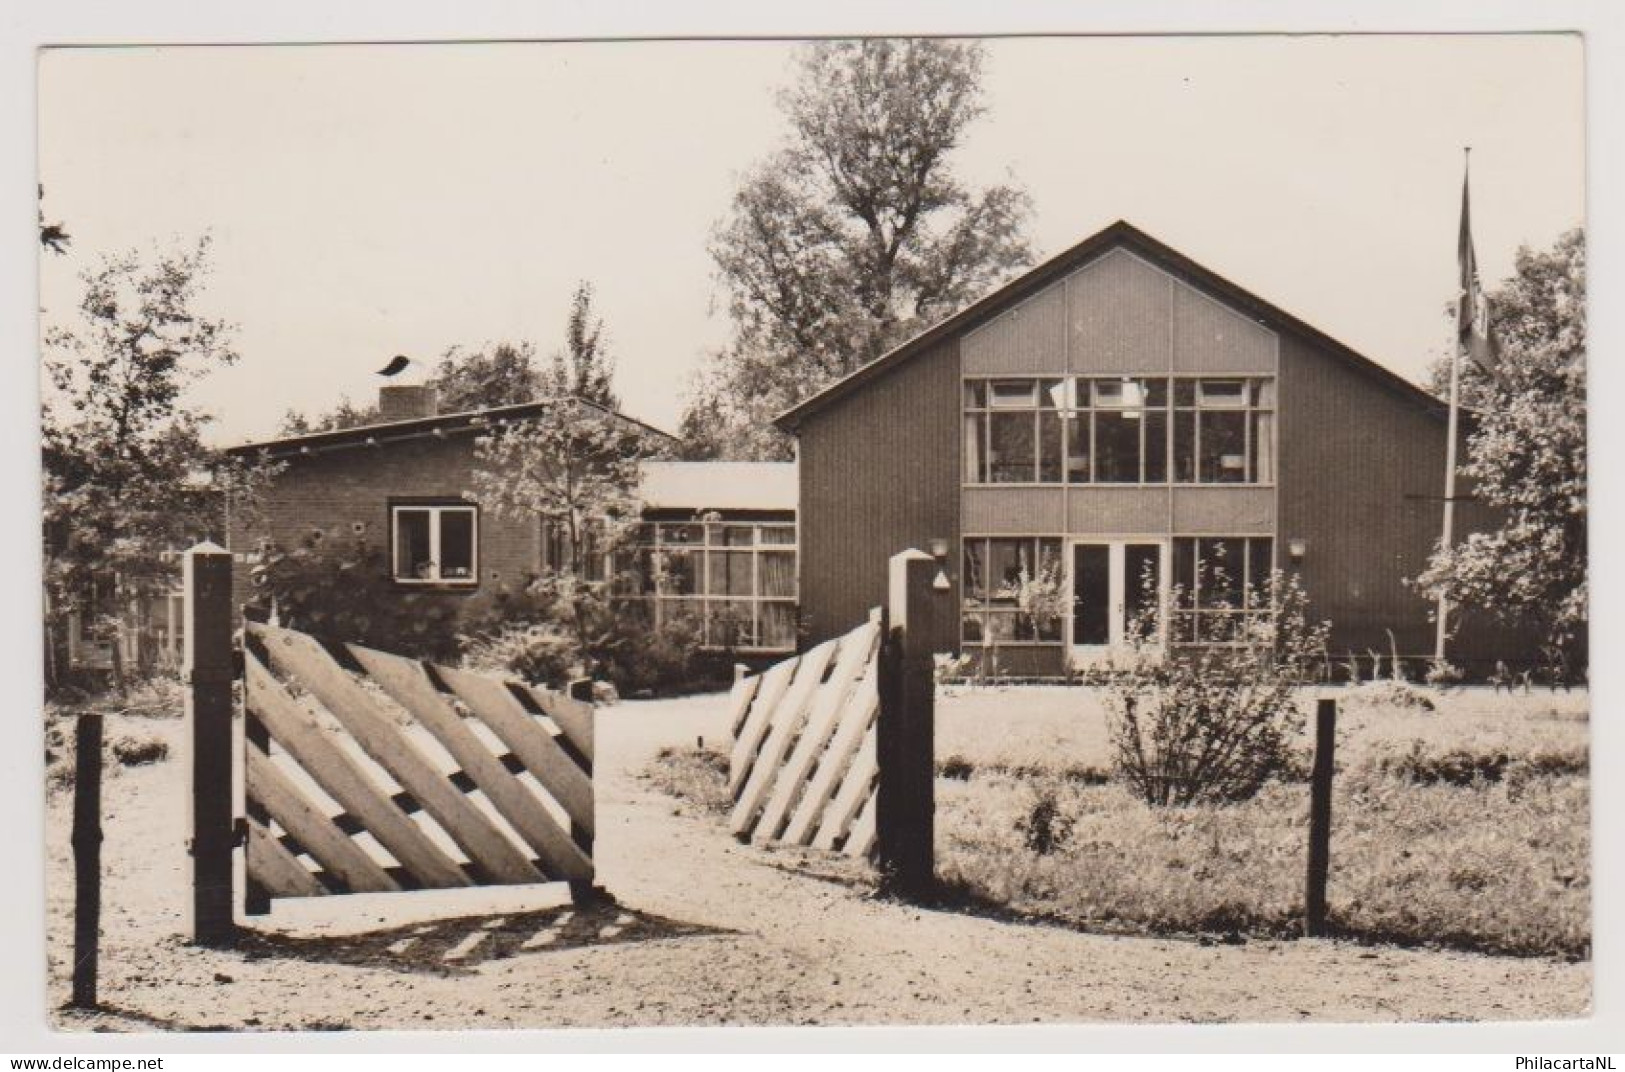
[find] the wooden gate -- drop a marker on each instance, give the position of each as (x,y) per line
(367,772)
(834,748)
(803,765)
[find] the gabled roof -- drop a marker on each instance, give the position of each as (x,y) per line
(439,426)
(767,486)
(1120,234)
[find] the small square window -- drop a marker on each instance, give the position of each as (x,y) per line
(435,544)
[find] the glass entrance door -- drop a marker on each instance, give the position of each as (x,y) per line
(1113,582)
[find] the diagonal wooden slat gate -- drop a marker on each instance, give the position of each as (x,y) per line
(802,768)
(366,772)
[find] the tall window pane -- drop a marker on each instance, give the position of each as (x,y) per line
(1078,447)
(1224,447)
(1012,451)
(1259,571)
(778,625)
(1263,448)
(412,555)
(1156,446)
(456,544)
(1117,446)
(778,574)
(1049,447)
(976,447)
(1185,446)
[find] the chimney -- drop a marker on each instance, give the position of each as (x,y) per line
(406,401)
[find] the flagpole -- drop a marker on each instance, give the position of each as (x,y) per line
(1447,539)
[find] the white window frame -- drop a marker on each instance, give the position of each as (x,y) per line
(435,511)
(702,597)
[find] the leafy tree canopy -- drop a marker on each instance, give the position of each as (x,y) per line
(584,368)
(500,374)
(853,236)
(1526,455)
(126,473)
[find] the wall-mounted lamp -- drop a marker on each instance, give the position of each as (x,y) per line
(1296,548)
(939,551)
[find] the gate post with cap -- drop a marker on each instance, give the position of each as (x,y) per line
(210,672)
(905,732)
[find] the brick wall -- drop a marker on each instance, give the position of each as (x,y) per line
(346,493)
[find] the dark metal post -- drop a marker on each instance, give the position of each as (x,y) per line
(905,734)
(87,858)
(210,671)
(1320,819)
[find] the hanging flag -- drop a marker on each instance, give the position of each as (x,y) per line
(1472,304)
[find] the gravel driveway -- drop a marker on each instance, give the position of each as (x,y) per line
(706,932)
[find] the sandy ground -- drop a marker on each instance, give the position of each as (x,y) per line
(705,932)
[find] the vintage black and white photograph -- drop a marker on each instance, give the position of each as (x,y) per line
(815,532)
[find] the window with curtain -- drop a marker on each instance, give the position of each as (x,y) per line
(734,581)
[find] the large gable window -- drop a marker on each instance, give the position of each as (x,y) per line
(1120,430)
(435,544)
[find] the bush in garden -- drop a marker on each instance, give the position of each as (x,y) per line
(1045,828)
(561,626)
(341,587)
(1213,722)
(533,651)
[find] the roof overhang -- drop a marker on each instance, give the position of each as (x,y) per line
(441,426)
(1120,234)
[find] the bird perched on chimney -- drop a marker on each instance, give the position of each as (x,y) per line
(397,365)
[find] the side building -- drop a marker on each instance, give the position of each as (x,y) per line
(1121,413)
(717,545)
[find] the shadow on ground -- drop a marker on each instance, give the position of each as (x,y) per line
(458,946)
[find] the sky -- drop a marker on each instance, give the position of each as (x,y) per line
(369,200)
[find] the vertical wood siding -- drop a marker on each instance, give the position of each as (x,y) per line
(1119,316)
(1031,337)
(879,474)
(1359,469)
(1210,337)
(1362,470)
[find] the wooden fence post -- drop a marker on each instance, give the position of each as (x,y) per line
(905,733)
(87,858)
(210,671)
(1320,819)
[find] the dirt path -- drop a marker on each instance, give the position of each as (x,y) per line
(706,932)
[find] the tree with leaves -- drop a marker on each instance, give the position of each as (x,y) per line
(52,236)
(852,237)
(576,470)
(500,374)
(497,374)
(584,368)
(126,473)
(1526,457)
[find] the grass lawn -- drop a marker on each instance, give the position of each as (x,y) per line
(1466,826)
(1463,824)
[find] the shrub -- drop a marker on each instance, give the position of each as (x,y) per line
(696,775)
(1215,722)
(638,657)
(1045,827)
(341,587)
(533,651)
(139,751)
